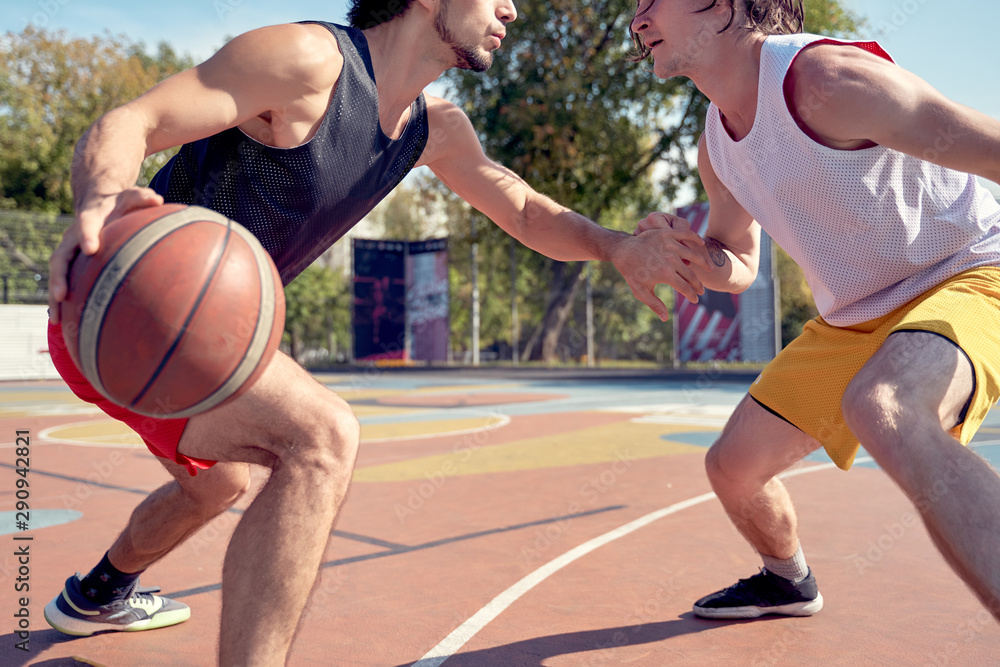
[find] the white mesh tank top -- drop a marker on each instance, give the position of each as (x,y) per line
(872,229)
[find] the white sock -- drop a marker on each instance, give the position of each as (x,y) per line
(794,569)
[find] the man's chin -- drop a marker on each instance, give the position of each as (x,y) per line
(476,64)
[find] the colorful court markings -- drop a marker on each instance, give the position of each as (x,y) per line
(112,433)
(21,404)
(96,433)
(426,429)
(40,518)
(625,441)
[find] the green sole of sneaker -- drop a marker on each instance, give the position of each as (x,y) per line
(77,628)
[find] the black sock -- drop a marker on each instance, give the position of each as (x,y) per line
(106,583)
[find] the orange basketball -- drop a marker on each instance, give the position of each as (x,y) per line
(179,311)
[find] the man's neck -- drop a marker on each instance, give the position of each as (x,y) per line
(406,57)
(731,81)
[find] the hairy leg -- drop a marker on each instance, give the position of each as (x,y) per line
(308,436)
(175,511)
(742,466)
(901,406)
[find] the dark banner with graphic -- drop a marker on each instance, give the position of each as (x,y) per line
(401,300)
(379,300)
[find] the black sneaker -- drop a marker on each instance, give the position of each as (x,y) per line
(761,594)
(73,614)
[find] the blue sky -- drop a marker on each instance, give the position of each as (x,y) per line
(950,43)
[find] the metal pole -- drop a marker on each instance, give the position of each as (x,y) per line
(590,318)
(475,304)
(515,334)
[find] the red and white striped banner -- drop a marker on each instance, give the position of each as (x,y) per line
(710,329)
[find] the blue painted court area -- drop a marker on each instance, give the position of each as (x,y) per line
(704,399)
(10,522)
(986,445)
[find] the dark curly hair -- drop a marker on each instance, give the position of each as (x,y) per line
(365,14)
(771,17)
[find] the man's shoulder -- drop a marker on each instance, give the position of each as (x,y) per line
(450,131)
(441,112)
(306,52)
(292,39)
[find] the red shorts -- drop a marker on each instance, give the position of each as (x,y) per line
(160,435)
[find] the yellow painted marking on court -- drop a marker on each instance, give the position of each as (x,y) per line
(627,441)
(364,394)
(40,404)
(375,410)
(100,433)
(111,433)
(21,397)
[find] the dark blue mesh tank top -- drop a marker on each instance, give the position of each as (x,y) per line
(299,201)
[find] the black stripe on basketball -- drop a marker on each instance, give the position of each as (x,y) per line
(194,308)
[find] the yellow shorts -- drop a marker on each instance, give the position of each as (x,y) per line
(804,384)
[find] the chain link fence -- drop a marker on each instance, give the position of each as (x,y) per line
(27,239)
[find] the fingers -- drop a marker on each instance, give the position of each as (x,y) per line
(690,288)
(644,279)
(650,299)
(132,199)
(84,235)
(125,202)
(59,270)
(694,251)
(53,307)
(678,238)
(656,221)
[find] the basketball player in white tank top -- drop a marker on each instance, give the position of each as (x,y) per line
(866,175)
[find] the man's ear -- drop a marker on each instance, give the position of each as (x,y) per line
(431,6)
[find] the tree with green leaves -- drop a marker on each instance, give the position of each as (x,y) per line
(565,108)
(52,88)
(317,313)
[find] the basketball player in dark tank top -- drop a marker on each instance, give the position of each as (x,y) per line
(297,131)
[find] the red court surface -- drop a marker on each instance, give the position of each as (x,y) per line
(504,518)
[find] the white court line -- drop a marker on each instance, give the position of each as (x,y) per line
(504,420)
(463,633)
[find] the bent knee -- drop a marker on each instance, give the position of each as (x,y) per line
(715,462)
(722,465)
(332,434)
(871,409)
(344,432)
(218,488)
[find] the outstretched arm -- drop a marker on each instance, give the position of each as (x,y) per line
(455,155)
